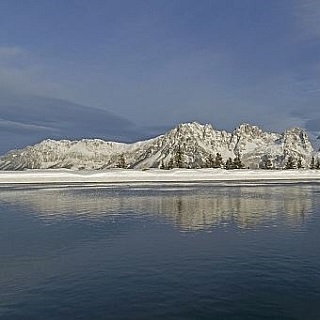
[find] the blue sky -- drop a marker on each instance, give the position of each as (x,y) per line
(161,62)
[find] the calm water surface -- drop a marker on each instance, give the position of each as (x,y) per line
(160,252)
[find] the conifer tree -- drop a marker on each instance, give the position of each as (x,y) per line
(179,158)
(170,164)
(266,164)
(229,164)
(312,164)
(162,165)
(237,164)
(218,162)
(210,163)
(290,163)
(121,162)
(317,166)
(299,163)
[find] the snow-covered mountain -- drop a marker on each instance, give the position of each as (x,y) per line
(193,143)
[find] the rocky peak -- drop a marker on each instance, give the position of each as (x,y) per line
(248,131)
(294,138)
(193,141)
(247,128)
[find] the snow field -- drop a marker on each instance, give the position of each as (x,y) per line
(154,175)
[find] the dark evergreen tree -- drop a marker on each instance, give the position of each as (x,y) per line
(218,162)
(237,164)
(266,164)
(290,163)
(170,164)
(210,163)
(269,164)
(179,158)
(121,162)
(229,164)
(299,163)
(162,165)
(312,164)
(318,164)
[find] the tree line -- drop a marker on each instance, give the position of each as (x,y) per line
(177,161)
(236,163)
(291,163)
(211,162)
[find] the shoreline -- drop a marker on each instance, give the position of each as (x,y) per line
(157,176)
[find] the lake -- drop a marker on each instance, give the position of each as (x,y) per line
(190,251)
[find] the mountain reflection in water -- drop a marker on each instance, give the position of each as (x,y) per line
(188,208)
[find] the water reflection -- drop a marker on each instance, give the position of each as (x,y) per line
(188,208)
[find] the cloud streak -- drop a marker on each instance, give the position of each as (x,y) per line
(171,61)
(307,14)
(9,52)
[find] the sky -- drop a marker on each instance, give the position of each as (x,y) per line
(163,62)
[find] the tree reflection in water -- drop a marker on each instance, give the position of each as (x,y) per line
(188,208)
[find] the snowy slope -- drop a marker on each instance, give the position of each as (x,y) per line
(194,142)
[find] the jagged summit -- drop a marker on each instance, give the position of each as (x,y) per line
(189,145)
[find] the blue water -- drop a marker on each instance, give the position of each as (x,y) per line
(160,252)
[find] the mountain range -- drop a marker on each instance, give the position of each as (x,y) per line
(192,142)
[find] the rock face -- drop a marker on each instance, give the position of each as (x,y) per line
(192,143)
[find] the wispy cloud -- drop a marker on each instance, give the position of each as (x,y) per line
(15,70)
(9,52)
(26,128)
(307,14)
(170,63)
(22,73)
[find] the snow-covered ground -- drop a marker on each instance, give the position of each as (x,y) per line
(155,175)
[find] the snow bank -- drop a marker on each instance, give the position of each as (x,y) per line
(155,175)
